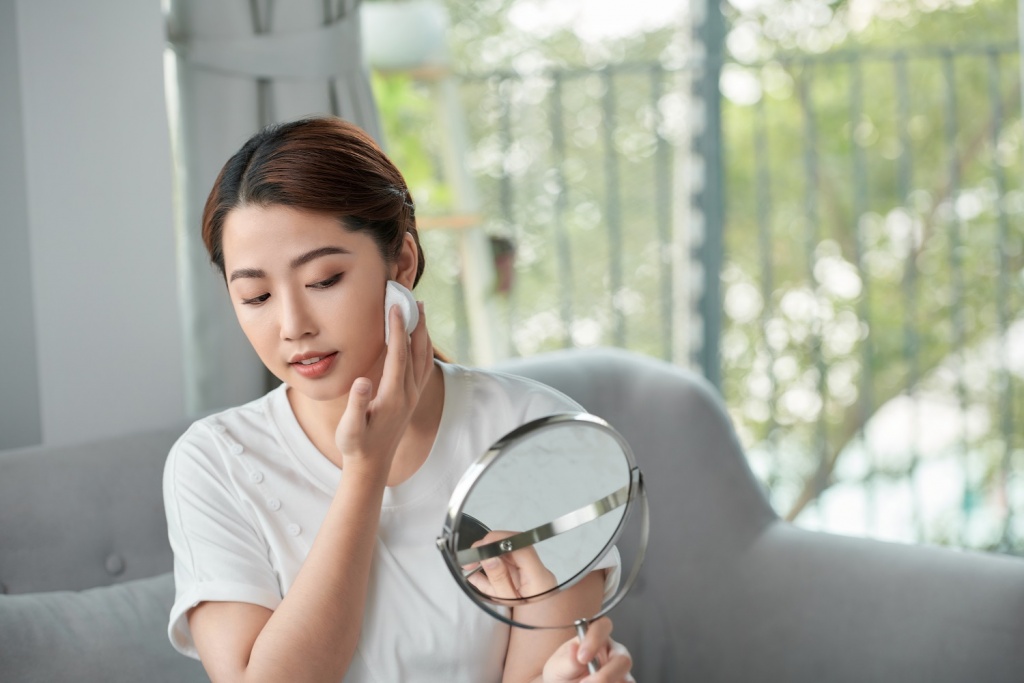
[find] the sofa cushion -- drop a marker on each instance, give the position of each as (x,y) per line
(109,634)
(103,518)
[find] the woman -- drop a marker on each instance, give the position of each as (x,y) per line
(302,523)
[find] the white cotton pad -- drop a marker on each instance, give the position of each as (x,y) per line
(398,295)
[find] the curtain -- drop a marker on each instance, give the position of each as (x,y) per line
(236,66)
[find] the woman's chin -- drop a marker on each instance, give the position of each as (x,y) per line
(320,392)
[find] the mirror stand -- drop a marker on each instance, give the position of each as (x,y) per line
(581,631)
(556,494)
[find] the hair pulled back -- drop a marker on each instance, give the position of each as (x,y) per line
(319,164)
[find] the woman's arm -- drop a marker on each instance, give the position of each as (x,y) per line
(529,650)
(313,633)
(555,655)
(551,655)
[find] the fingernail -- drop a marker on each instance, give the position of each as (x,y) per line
(361,386)
(419,304)
(492,563)
(583,654)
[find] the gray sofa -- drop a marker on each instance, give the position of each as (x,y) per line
(729,591)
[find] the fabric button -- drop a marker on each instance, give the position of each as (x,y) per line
(236,448)
(114,564)
(255,477)
(274,504)
(220,429)
(294,529)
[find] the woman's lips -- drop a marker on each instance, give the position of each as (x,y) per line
(317,369)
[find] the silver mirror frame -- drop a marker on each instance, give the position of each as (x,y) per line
(447,542)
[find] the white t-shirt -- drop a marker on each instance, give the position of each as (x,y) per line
(246,491)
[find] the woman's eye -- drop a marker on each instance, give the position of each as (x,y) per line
(256,300)
(324,284)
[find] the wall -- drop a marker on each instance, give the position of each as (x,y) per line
(87,223)
(19,388)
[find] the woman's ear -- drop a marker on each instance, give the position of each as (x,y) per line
(404,269)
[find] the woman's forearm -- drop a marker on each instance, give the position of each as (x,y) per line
(313,633)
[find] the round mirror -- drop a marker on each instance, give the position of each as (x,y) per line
(536,528)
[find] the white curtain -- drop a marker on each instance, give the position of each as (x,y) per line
(240,65)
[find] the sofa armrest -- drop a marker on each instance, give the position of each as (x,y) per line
(802,606)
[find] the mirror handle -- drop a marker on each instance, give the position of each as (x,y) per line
(593,666)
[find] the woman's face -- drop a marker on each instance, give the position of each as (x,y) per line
(309,295)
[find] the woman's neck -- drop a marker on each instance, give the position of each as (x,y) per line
(319,420)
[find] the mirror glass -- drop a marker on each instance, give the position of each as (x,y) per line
(550,501)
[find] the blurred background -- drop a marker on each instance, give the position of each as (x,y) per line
(816,204)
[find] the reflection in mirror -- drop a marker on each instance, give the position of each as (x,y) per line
(471,530)
(557,495)
(538,527)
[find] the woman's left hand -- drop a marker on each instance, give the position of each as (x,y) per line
(569,662)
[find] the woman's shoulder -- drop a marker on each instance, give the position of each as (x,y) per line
(489,388)
(229,432)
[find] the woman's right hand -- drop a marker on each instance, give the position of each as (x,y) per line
(373,425)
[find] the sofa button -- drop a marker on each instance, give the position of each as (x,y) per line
(114,564)
(256,477)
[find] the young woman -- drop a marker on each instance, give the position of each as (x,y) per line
(303,523)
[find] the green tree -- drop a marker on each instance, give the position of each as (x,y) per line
(894,214)
(873,229)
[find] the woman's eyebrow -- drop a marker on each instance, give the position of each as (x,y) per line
(296,262)
(246,272)
(317,253)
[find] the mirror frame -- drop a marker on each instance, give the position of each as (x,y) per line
(447,542)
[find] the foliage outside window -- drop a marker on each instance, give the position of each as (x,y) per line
(874,271)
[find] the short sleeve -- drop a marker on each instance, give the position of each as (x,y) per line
(611,563)
(537,400)
(219,553)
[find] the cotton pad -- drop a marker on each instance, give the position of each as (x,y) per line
(397,295)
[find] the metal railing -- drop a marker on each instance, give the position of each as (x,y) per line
(902,211)
(873,269)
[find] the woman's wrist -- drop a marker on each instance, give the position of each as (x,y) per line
(369,471)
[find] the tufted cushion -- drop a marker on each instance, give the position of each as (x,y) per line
(79,516)
(110,634)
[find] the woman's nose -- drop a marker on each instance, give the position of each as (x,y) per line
(296,319)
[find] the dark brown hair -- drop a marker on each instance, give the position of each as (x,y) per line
(321,164)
